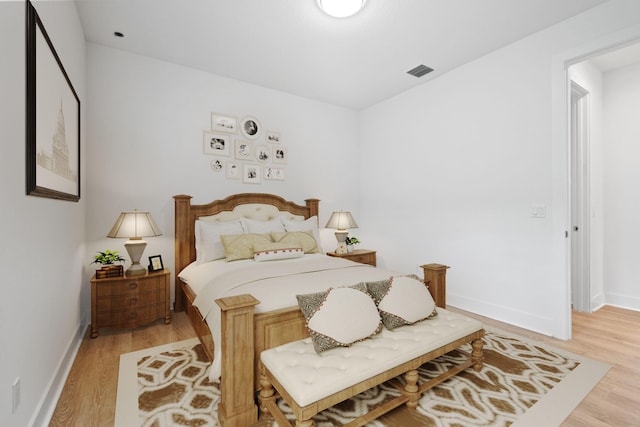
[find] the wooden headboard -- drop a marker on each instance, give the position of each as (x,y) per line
(186,214)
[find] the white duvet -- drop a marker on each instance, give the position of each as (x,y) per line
(274,283)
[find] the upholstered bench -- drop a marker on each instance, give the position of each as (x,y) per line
(311,382)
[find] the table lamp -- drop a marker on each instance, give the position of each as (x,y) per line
(134,226)
(341,221)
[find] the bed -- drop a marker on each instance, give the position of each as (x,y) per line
(240,325)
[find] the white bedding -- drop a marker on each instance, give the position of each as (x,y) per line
(275,284)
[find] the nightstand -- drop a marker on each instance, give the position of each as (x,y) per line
(130,301)
(363,256)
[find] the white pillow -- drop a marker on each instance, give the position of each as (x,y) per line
(307,224)
(340,316)
(261,227)
(402,300)
(208,244)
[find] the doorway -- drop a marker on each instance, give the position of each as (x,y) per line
(580,205)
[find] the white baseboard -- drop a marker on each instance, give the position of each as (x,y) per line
(622,301)
(47,404)
(503,314)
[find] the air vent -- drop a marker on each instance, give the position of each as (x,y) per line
(420,70)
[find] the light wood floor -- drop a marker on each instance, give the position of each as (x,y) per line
(610,335)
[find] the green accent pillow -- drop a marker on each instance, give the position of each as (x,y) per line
(240,246)
(298,239)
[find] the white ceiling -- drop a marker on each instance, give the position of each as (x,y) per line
(291,46)
(618,58)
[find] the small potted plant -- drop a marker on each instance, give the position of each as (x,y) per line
(351,242)
(108,259)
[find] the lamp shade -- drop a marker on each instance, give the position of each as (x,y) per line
(134,225)
(341,221)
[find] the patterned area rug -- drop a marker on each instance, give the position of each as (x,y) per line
(521,384)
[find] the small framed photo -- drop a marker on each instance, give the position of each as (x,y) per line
(280,155)
(244,150)
(262,153)
(217,165)
(217,144)
(251,174)
(276,174)
(272,136)
(224,123)
(250,128)
(233,171)
(155,263)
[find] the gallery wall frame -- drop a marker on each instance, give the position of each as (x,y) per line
(52,119)
(216,144)
(250,127)
(224,123)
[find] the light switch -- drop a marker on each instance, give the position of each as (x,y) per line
(538,211)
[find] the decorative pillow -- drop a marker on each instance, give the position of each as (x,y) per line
(307,224)
(208,244)
(339,317)
(274,251)
(402,300)
(255,226)
(240,246)
(299,239)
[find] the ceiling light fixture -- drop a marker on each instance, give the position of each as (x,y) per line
(341,8)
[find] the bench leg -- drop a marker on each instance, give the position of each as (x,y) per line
(477,355)
(411,388)
(267,393)
(305,423)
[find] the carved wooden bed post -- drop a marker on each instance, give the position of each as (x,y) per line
(237,406)
(182,243)
(435,277)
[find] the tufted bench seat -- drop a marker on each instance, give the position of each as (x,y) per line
(310,382)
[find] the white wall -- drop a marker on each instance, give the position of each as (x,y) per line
(43,248)
(474,150)
(621,189)
(590,78)
(145,125)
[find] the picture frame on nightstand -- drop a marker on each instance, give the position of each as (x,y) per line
(155,263)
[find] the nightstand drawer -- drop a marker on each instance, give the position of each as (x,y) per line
(128,287)
(134,299)
(364,259)
(130,318)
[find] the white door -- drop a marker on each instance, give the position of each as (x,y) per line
(579,233)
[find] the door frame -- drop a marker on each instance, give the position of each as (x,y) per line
(560,268)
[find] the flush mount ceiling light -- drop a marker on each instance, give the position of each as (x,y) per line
(341,8)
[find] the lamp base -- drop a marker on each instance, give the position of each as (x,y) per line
(135,248)
(136,270)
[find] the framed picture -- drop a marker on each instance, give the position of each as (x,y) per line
(224,123)
(52,119)
(233,171)
(244,150)
(217,144)
(155,263)
(262,153)
(276,174)
(251,174)
(280,155)
(217,165)
(272,137)
(250,128)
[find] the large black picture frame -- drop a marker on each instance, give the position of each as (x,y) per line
(52,119)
